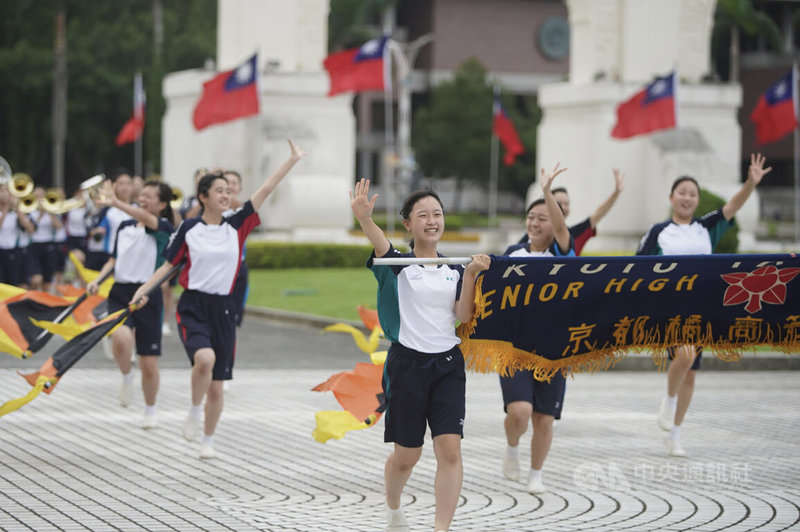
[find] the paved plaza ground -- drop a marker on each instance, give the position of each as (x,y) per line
(76,460)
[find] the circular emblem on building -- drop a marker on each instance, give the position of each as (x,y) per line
(552,38)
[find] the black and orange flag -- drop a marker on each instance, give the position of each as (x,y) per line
(71,352)
(17,331)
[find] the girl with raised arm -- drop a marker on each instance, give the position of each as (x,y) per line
(423,379)
(211,245)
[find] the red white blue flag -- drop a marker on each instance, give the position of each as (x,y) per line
(651,109)
(357,69)
(230,95)
(133,128)
(503,127)
(775,114)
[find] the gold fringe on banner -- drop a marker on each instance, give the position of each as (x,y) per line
(499,356)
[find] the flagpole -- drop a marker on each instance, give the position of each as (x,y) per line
(494,162)
(388,130)
(137,146)
(796,160)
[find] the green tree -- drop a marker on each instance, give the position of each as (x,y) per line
(353,22)
(107,42)
(733,17)
(452,135)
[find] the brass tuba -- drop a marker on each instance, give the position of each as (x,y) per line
(177,198)
(28,204)
(55,204)
(21,185)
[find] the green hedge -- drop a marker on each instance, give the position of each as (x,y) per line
(269,255)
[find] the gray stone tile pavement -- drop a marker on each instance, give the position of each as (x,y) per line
(76,460)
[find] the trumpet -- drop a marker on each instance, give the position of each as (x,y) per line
(21,185)
(177,198)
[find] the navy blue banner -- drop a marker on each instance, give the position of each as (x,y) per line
(583,313)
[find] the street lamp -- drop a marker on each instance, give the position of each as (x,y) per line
(404,55)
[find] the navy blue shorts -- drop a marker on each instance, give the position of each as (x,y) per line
(145,322)
(207,320)
(23,266)
(420,388)
(76,242)
(696,363)
(96,259)
(42,260)
(546,397)
(61,256)
(8,266)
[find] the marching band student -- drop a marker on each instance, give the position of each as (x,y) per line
(684,234)
(424,379)
(137,253)
(12,224)
(524,397)
(76,225)
(60,247)
(42,255)
(212,246)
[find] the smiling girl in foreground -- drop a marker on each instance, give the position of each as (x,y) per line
(423,378)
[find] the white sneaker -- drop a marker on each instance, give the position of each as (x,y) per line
(166,330)
(510,466)
(125,394)
(535,486)
(674,448)
(666,415)
(207,452)
(191,428)
(226,385)
(149,422)
(396,521)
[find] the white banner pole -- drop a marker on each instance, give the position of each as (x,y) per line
(405,261)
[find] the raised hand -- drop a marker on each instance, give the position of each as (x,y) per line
(547,178)
(757,170)
(360,201)
(619,179)
(297,152)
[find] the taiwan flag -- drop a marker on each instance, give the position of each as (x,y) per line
(132,129)
(775,114)
(650,109)
(503,127)
(230,95)
(357,69)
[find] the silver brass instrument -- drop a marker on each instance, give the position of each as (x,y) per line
(5,171)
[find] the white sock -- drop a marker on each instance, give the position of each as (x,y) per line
(675,432)
(512,452)
(672,402)
(196,412)
(207,440)
(150,410)
(534,475)
(127,378)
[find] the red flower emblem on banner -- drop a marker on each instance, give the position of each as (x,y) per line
(764,285)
